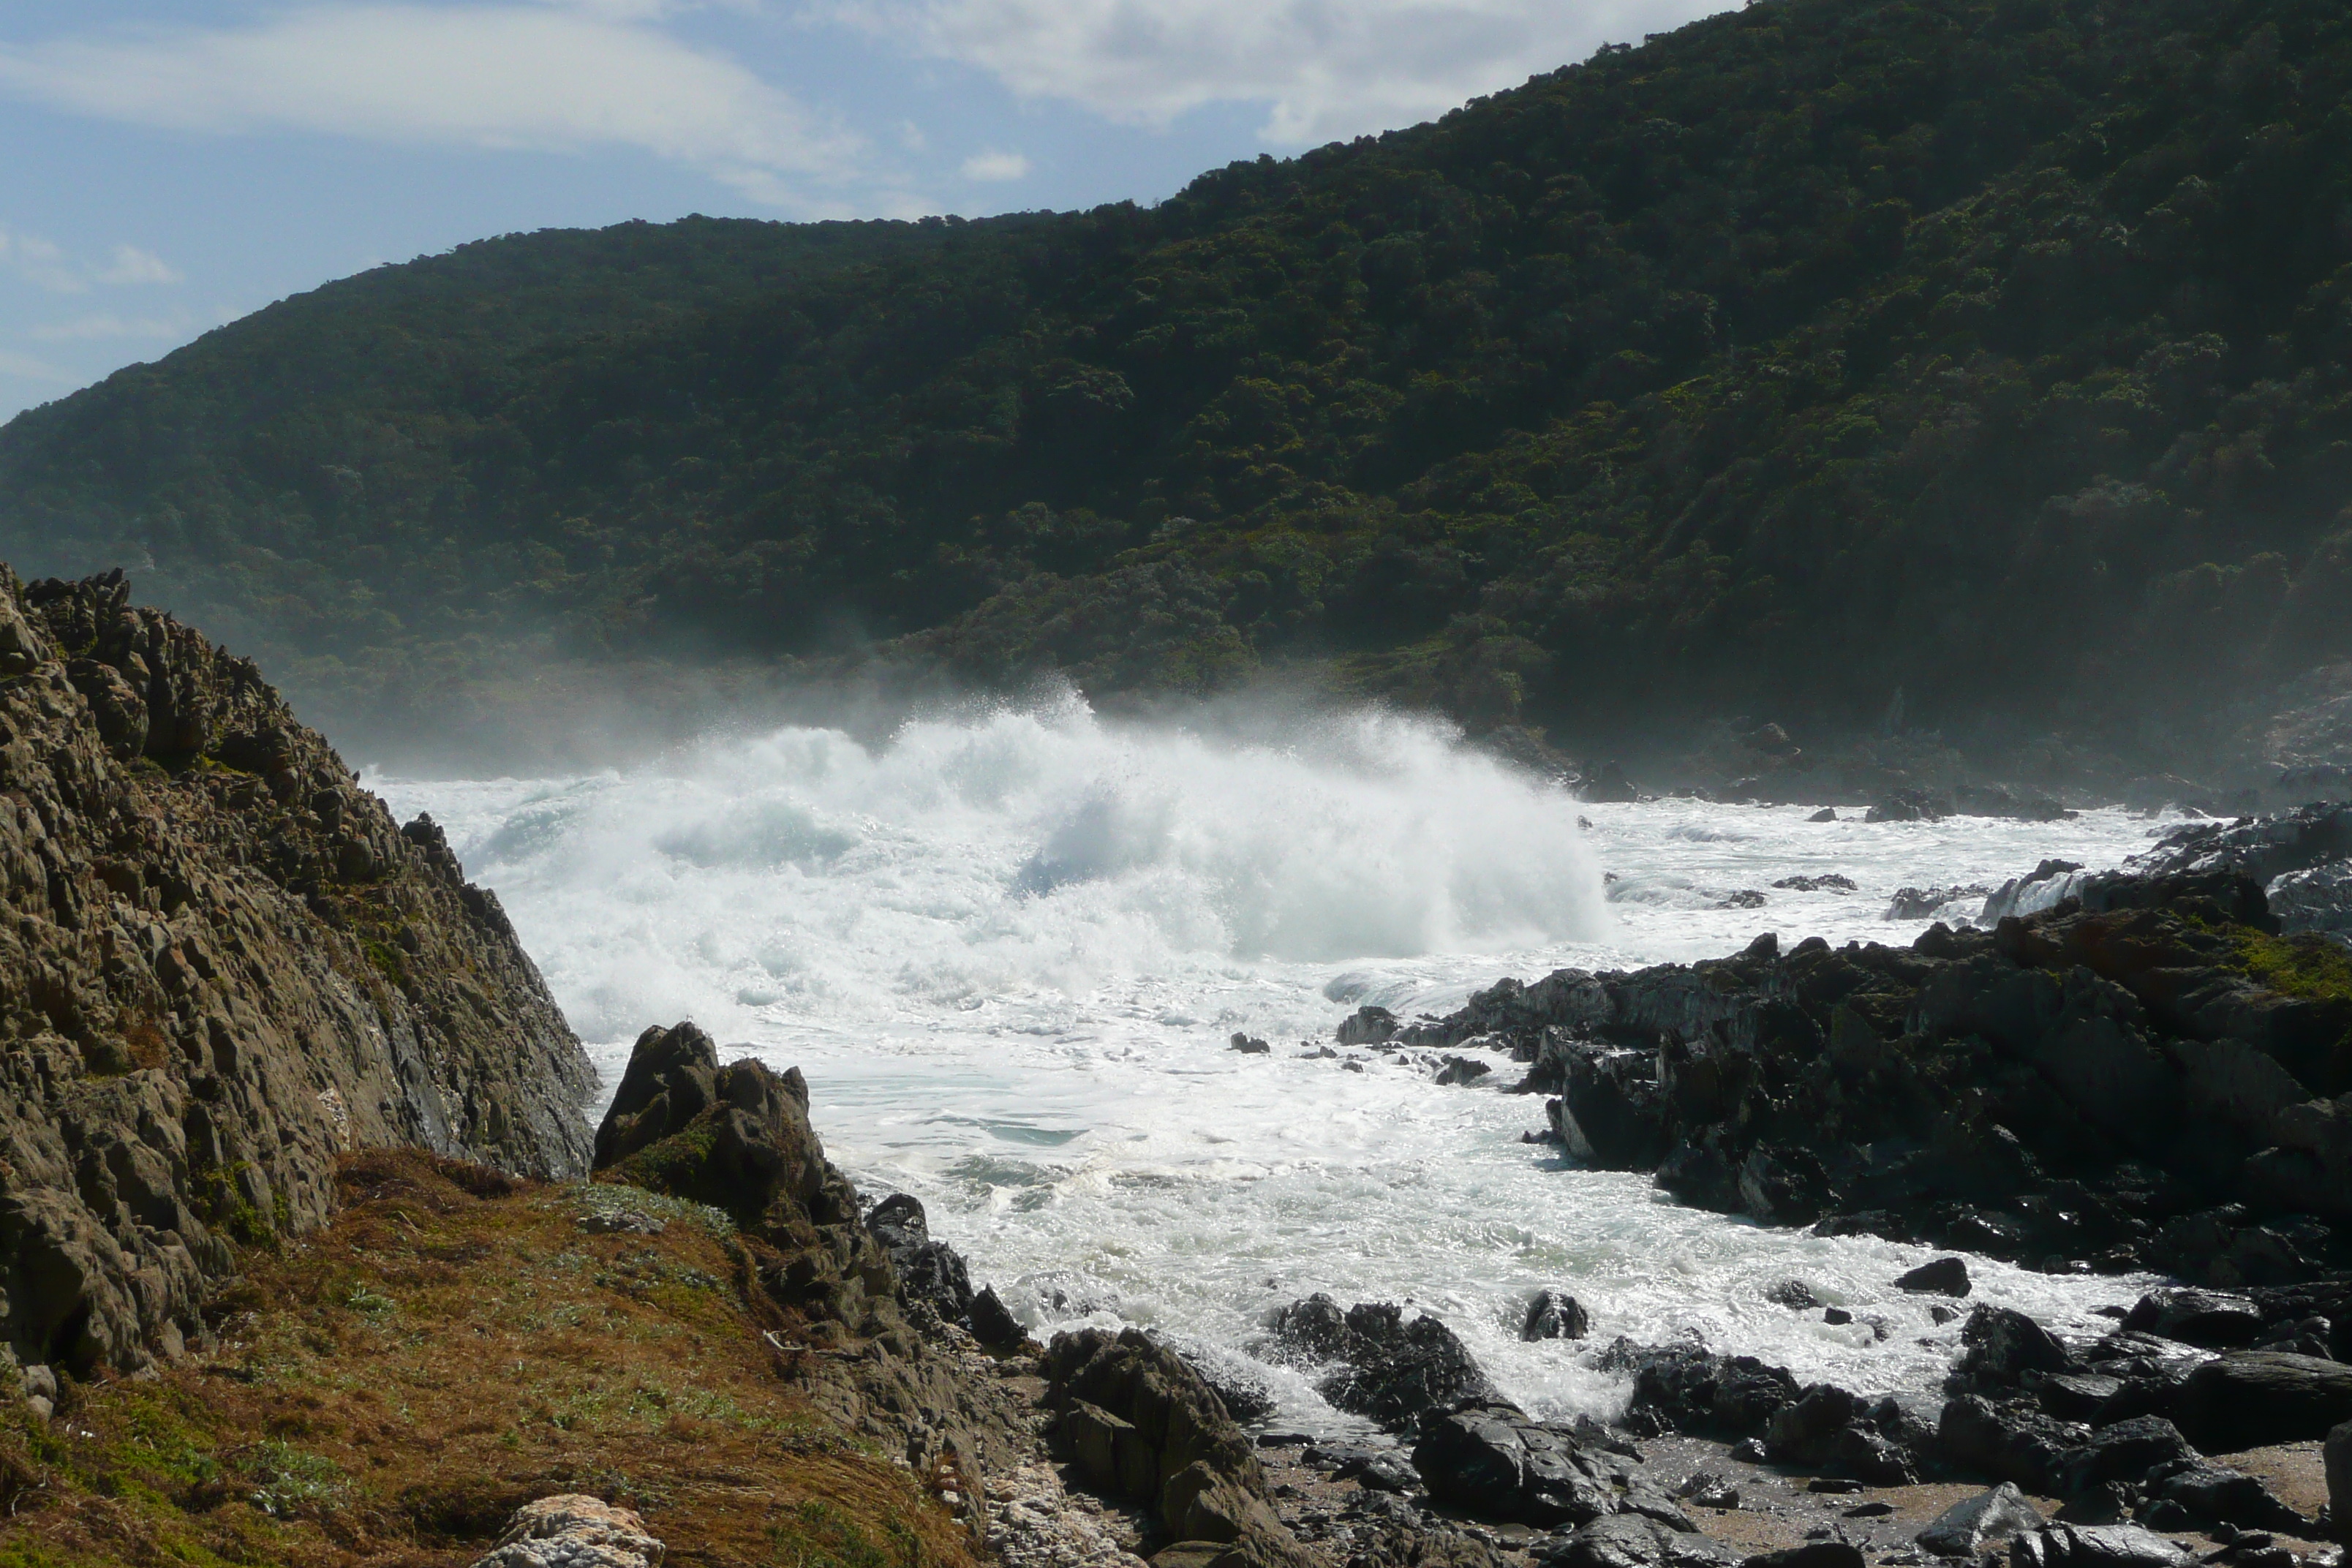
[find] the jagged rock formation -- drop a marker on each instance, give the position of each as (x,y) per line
(221,966)
(2144,1074)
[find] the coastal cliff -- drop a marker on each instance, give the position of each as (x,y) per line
(223,966)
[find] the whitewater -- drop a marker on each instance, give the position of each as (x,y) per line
(1009,947)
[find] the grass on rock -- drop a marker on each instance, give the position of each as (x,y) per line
(387,1391)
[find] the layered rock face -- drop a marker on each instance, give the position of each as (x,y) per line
(221,965)
(2144,1075)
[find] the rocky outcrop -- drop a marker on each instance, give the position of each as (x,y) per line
(575,1532)
(225,966)
(1141,1424)
(2142,1076)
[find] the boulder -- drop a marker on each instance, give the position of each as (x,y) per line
(1393,1369)
(1368,1026)
(2251,1398)
(1494,1463)
(1631,1541)
(993,1323)
(2205,1318)
(1966,1529)
(573,1532)
(2337,1455)
(2212,1494)
(2011,1442)
(1909,806)
(1249,1046)
(1145,1425)
(1943,1276)
(1684,1388)
(2003,1345)
(2096,1546)
(1462,1069)
(2126,1451)
(1555,1315)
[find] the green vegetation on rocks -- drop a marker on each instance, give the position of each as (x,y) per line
(1992,349)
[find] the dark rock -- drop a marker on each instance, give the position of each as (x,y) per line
(2251,1398)
(2076,1396)
(1683,1388)
(1909,806)
(1555,1315)
(738,1138)
(1379,1470)
(2003,1345)
(1462,1069)
(2337,1454)
(1813,1554)
(1368,1026)
(1966,1529)
(1794,1294)
(2011,1442)
(1392,1369)
(1745,898)
(1836,1316)
(1920,903)
(992,1323)
(929,1271)
(1608,784)
(1145,1425)
(1943,1276)
(1249,1047)
(1829,882)
(1631,1541)
(2212,1495)
(2205,1318)
(2126,1451)
(1491,1461)
(2096,1546)
(1826,813)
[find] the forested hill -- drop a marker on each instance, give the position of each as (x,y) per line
(1995,348)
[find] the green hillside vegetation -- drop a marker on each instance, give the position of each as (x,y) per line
(1994,348)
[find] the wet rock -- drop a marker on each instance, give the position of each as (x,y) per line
(1462,1069)
(1684,1388)
(1794,1294)
(1943,1276)
(1813,1554)
(2076,1396)
(929,1271)
(1494,1463)
(2003,1345)
(1393,1369)
(2251,1398)
(2096,1546)
(1608,784)
(2205,1318)
(2011,1442)
(2209,1494)
(1631,1541)
(2126,1451)
(1555,1315)
(1829,882)
(1826,813)
(1249,1047)
(1968,1528)
(573,1532)
(1909,806)
(1368,1026)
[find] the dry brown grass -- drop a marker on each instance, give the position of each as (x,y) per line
(389,1389)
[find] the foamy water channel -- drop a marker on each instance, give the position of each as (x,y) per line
(1008,950)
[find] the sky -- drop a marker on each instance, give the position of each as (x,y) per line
(173,164)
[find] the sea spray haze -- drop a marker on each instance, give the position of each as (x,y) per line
(1009,947)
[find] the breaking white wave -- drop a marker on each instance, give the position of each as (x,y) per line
(1008,949)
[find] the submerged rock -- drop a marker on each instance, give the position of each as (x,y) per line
(1555,1315)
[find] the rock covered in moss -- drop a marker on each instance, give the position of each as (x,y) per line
(221,965)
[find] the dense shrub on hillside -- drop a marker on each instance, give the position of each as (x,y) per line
(1995,348)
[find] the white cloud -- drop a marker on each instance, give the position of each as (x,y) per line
(1327,69)
(994,165)
(105,324)
(132,264)
(40,263)
(557,77)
